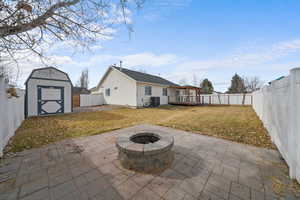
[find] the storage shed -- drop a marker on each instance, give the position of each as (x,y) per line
(48,91)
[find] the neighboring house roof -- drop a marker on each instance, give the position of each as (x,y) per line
(277,79)
(218,92)
(93,89)
(80,90)
(143,77)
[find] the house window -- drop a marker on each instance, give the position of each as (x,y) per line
(165,92)
(177,93)
(148,90)
(107,92)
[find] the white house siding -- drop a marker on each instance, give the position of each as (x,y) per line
(32,94)
(157,91)
(122,89)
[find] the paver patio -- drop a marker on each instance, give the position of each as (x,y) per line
(88,168)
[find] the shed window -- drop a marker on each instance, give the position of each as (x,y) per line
(107,92)
(165,92)
(148,90)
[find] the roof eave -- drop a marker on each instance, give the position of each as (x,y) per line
(143,82)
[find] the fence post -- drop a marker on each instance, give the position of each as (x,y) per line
(4,123)
(228,99)
(294,127)
(2,107)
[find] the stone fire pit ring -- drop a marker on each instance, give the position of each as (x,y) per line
(145,151)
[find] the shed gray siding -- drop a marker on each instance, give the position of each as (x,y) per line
(48,76)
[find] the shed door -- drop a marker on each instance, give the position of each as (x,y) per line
(50,100)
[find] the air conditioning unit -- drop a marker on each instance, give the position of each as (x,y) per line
(154,101)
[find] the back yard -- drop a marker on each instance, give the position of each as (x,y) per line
(235,123)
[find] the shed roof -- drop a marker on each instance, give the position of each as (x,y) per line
(43,68)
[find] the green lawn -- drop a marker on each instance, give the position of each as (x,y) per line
(236,123)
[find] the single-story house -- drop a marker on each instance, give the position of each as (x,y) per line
(121,86)
(93,89)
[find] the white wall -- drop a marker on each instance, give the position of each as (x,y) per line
(12,113)
(157,91)
(32,94)
(122,89)
(278,106)
(91,99)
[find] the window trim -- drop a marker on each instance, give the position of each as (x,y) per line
(150,93)
(165,91)
(107,92)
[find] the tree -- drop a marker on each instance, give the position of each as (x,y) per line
(237,85)
(253,83)
(28,24)
(83,81)
(11,75)
(206,86)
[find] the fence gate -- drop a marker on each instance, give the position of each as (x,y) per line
(76,100)
(50,100)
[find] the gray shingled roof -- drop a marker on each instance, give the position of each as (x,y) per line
(143,77)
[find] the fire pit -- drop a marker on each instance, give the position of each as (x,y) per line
(145,152)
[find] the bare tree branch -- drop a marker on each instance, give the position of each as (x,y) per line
(253,83)
(28,24)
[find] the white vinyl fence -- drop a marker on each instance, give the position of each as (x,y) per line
(91,100)
(12,113)
(278,106)
(229,99)
(221,99)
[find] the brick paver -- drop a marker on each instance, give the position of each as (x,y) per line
(88,168)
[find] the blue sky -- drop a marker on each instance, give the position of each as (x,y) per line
(182,39)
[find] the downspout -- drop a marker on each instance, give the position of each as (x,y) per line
(136,99)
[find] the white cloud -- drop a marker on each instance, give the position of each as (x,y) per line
(244,59)
(27,61)
(157,9)
(133,60)
(175,67)
(257,56)
(149,60)
(31,61)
